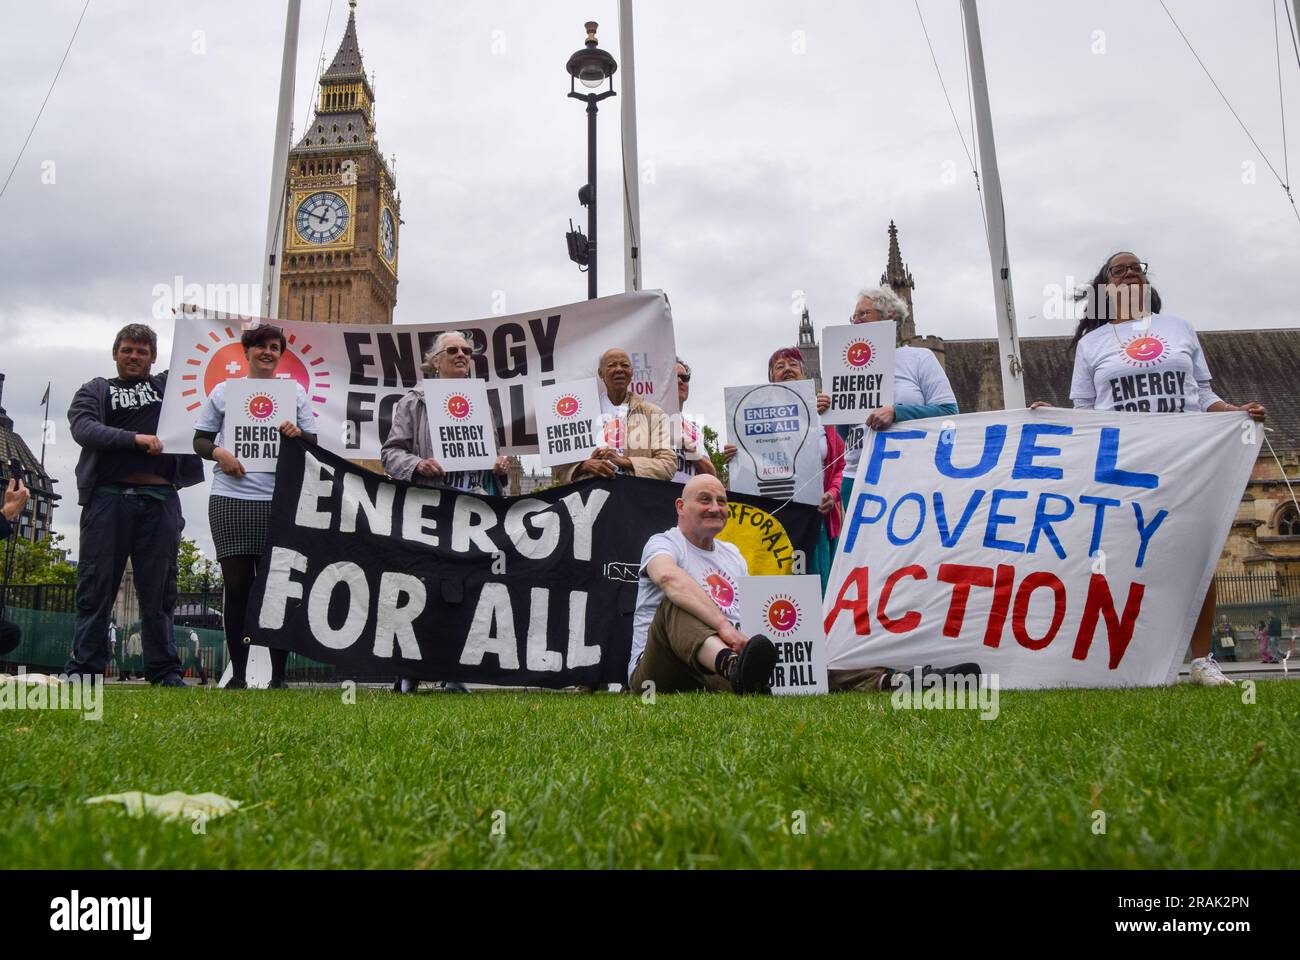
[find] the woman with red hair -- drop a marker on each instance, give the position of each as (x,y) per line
(783,366)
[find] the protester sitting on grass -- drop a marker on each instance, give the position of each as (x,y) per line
(15,500)
(637,434)
(684,632)
(239,509)
(407,454)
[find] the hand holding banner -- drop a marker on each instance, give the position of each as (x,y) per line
(858,370)
(460,422)
(254,411)
(567,417)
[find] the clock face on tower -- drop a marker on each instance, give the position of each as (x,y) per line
(386,243)
(322,217)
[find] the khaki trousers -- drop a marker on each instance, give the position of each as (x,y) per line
(861,680)
(669,659)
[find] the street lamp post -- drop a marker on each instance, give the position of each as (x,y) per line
(592,67)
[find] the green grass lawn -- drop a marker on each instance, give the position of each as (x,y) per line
(1187,777)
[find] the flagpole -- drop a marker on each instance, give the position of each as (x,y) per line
(631,168)
(1013,385)
(280,163)
(45,427)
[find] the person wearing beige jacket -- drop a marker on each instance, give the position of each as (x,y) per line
(637,433)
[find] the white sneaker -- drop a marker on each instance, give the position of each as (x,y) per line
(1207,673)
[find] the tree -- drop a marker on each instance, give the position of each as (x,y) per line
(45,561)
(713,447)
(192,567)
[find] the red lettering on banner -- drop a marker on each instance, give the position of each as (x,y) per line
(962,577)
(909,620)
(1037,579)
(1119,630)
(859,606)
(1001,602)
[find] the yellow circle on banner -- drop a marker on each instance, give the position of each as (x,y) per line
(761,539)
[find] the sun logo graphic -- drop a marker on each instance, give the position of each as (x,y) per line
(613,433)
(458,406)
(220,357)
(721,589)
(782,615)
(858,353)
(261,406)
(1145,351)
(568,406)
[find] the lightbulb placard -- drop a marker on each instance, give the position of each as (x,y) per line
(568,417)
(460,424)
(777,435)
(254,411)
(858,370)
(788,611)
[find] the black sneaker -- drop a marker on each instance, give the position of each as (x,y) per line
(172,681)
(236,684)
(890,680)
(750,671)
(278,685)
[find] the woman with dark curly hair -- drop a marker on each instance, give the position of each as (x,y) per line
(1131,357)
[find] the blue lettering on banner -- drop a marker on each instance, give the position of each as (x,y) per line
(995,437)
(1039,529)
(784,410)
(1108,458)
(768,427)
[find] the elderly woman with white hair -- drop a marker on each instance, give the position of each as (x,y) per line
(921,388)
(407,454)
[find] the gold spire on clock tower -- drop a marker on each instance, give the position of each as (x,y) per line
(342,215)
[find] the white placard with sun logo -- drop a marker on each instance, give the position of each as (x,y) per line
(857,370)
(254,411)
(460,423)
(788,611)
(567,418)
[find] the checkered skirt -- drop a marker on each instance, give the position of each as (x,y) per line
(238,526)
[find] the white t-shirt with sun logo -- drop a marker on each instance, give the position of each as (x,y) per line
(718,571)
(251,486)
(1152,365)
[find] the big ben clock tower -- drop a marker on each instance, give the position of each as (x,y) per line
(339,259)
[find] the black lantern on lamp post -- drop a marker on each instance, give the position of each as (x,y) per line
(592,67)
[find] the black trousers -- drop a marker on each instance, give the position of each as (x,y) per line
(115,526)
(10,634)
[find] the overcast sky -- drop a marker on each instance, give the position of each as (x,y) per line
(777,141)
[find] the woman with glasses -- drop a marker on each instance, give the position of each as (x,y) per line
(1131,357)
(688,434)
(407,454)
(921,388)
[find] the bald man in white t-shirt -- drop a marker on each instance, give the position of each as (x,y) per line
(685,633)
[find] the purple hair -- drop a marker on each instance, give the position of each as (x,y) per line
(785,353)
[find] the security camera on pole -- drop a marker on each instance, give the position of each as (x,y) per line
(591,67)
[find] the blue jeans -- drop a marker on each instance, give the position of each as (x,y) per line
(117,525)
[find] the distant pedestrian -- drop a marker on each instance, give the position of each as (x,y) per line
(1275,638)
(194,658)
(1225,643)
(1261,634)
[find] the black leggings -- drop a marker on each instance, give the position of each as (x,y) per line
(238,573)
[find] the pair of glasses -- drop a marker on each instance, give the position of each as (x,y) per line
(456,351)
(1121,269)
(684,377)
